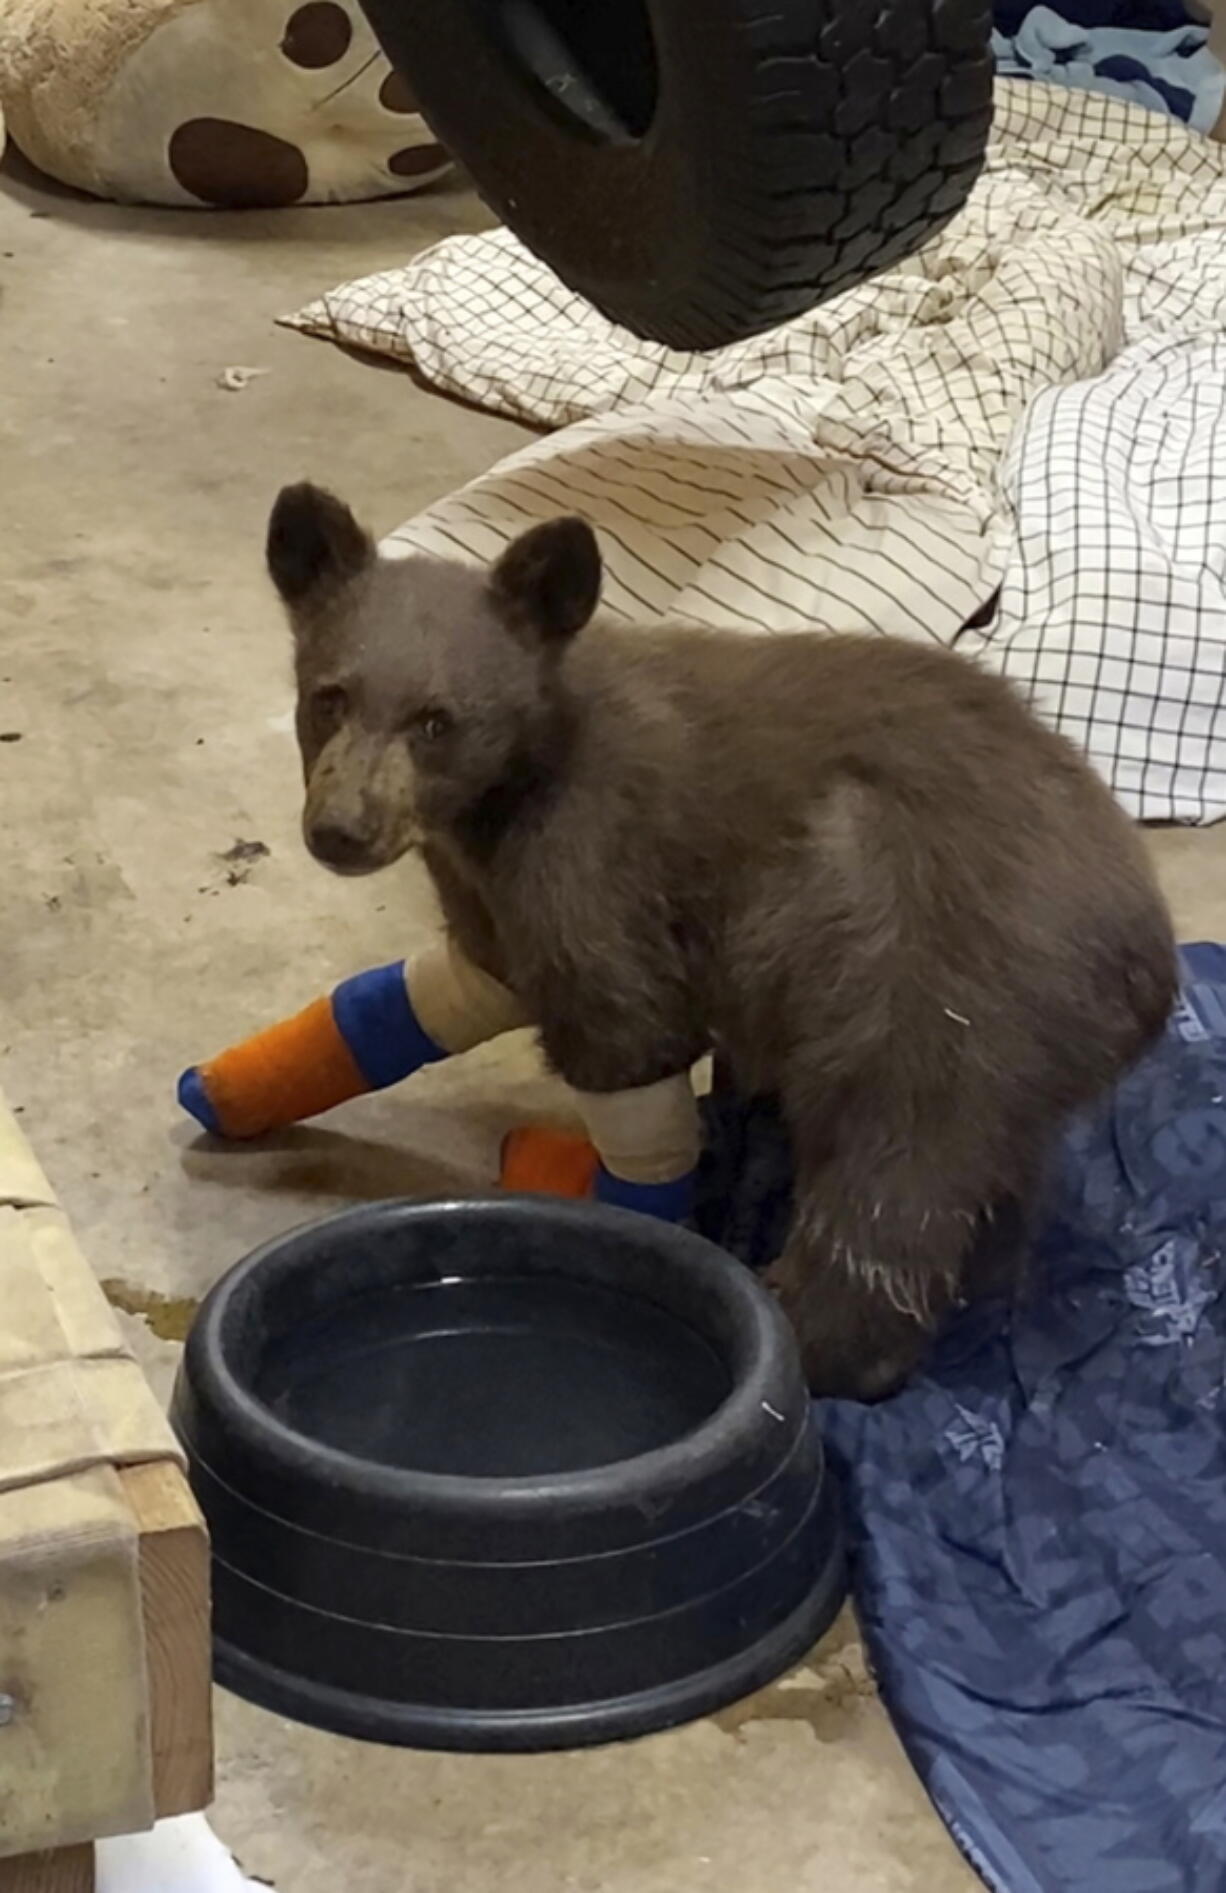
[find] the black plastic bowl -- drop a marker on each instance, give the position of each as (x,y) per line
(514,1474)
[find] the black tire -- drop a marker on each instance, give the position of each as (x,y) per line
(705,169)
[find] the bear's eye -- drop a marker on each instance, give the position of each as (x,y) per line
(434,723)
(329,704)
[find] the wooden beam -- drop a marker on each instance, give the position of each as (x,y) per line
(174,1582)
(68,1870)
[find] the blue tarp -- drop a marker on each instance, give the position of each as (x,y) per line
(1039,1520)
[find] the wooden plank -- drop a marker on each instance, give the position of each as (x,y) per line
(174,1580)
(68,1870)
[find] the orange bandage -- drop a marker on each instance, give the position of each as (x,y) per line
(292,1070)
(542,1162)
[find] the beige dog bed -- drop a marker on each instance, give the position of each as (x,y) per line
(229,103)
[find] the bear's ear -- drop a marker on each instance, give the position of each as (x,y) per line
(314,542)
(548,581)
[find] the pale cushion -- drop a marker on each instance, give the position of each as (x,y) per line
(227,103)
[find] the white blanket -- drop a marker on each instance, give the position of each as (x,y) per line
(1112,612)
(863,467)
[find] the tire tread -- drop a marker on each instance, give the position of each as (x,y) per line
(885,173)
(862,133)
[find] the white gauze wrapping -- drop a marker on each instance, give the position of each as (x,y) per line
(458,1004)
(648,1135)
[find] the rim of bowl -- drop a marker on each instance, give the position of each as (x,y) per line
(765,1379)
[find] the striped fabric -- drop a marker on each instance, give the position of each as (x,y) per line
(846,469)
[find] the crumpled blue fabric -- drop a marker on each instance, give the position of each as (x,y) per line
(1147,55)
(1038,1521)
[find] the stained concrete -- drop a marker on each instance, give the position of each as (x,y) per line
(144,693)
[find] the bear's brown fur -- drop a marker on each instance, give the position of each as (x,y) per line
(859,867)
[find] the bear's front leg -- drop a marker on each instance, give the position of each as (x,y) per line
(628,1065)
(648,1139)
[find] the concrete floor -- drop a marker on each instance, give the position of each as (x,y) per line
(144,691)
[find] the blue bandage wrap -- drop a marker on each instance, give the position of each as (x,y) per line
(375,1017)
(667,1202)
(195,1101)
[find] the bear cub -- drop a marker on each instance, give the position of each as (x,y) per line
(858,868)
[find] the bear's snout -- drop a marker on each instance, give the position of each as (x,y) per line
(360,813)
(344,849)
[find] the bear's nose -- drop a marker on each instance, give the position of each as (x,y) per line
(338,847)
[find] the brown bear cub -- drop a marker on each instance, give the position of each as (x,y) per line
(858,867)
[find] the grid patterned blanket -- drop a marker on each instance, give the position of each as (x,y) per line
(1030,407)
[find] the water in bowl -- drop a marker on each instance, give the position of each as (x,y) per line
(494,1377)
